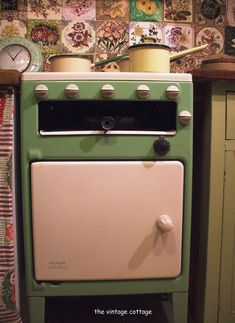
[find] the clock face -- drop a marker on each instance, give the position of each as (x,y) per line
(20,54)
(15,57)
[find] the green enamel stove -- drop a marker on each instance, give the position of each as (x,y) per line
(107,183)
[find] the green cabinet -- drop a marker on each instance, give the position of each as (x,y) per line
(212,284)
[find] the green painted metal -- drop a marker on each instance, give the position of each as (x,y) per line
(102,147)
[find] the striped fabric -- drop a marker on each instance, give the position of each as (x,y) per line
(8,311)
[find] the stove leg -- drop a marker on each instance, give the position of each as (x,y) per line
(180,307)
(36,309)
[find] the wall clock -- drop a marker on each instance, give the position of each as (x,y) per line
(20,54)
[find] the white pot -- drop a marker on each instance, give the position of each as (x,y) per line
(149,58)
(70,63)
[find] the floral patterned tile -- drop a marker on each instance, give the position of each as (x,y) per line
(46,34)
(109,67)
(150,10)
(112,36)
(9,5)
(229,40)
(210,12)
(108,10)
(211,36)
(78,10)
(23,5)
(139,30)
(184,65)
(179,37)
(9,15)
(178,10)
(44,9)
(230,12)
(78,37)
(14,28)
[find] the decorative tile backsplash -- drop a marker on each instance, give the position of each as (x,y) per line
(105,28)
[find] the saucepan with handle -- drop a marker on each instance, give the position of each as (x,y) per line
(149,57)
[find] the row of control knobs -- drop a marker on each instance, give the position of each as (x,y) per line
(107,91)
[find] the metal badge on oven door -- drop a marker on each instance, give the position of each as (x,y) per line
(107,123)
(164,223)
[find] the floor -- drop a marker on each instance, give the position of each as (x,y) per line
(120,309)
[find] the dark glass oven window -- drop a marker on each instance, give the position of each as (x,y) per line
(89,114)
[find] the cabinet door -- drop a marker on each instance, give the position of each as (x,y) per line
(227,279)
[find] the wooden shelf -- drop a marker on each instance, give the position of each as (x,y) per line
(210,75)
(10,77)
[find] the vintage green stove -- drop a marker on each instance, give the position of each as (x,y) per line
(106,182)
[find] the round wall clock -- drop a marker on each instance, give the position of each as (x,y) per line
(20,54)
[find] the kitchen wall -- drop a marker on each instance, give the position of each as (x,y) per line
(105,28)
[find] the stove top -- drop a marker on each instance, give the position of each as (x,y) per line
(57,76)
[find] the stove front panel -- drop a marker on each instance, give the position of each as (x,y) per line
(106,220)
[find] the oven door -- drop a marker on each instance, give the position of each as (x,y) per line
(107,220)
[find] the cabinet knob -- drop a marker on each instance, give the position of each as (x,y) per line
(164,223)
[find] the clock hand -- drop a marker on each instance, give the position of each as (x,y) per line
(10,55)
(16,54)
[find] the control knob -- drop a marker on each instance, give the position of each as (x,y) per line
(143,91)
(161,145)
(41,91)
(185,117)
(71,91)
(172,92)
(107,91)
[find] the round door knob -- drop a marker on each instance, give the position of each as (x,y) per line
(172,92)
(107,91)
(143,91)
(161,146)
(164,223)
(185,117)
(41,91)
(71,91)
(107,123)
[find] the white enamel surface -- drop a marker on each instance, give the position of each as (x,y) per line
(98,220)
(56,76)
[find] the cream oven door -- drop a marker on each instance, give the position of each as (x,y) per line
(103,220)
